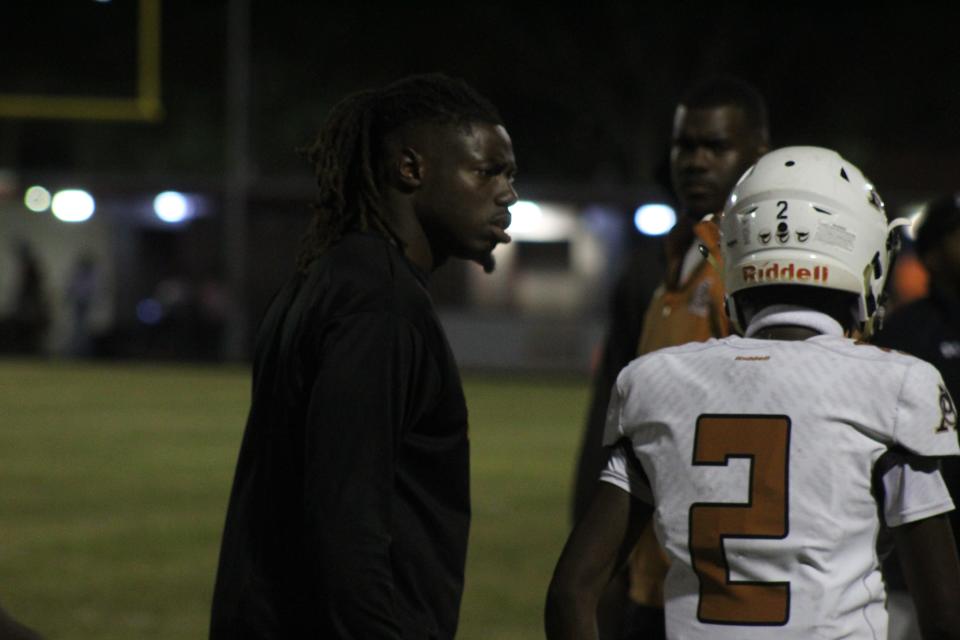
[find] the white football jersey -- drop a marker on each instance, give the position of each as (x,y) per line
(759,457)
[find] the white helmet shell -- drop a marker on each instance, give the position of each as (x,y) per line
(805,216)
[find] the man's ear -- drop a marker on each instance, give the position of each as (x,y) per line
(409,167)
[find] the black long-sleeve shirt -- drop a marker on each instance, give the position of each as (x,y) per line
(350,510)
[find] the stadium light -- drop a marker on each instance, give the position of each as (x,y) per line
(73,205)
(654,219)
(37,199)
(172,207)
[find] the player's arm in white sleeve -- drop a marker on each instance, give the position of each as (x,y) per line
(917,500)
(622,468)
(597,547)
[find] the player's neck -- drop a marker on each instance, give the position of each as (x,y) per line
(400,215)
(785,332)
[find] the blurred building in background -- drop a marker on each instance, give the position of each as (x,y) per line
(136,273)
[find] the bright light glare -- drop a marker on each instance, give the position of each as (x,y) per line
(533,222)
(524,211)
(654,219)
(914,225)
(525,218)
(914,213)
(171,206)
(37,199)
(73,205)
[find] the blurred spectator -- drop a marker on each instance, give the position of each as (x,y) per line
(213,306)
(23,331)
(81,292)
(929,328)
(184,318)
(910,281)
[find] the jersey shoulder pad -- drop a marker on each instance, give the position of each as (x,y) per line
(926,416)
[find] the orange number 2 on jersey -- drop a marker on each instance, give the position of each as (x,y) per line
(765,441)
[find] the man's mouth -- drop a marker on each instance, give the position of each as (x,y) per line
(500,224)
(501,236)
(697,187)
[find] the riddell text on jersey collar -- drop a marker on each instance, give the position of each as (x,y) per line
(785,272)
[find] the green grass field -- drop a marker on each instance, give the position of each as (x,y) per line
(114,480)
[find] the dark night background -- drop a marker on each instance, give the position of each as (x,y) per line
(115,473)
(587,93)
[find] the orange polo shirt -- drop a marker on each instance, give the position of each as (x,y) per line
(689,311)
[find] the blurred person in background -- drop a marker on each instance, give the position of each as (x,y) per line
(214,306)
(720,128)
(929,328)
(81,292)
(350,506)
(774,465)
(24,330)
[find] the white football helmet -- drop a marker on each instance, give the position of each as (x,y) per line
(805,216)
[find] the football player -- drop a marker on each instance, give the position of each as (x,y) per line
(720,127)
(772,464)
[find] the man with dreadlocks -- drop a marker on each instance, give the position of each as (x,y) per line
(350,506)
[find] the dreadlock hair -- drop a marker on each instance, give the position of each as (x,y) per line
(348,154)
(730,91)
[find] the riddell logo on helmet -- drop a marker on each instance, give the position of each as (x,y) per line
(777,272)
